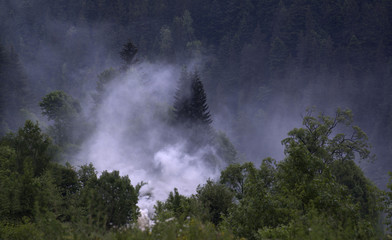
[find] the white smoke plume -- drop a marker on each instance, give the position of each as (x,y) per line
(133,135)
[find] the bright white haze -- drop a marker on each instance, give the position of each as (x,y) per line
(133,135)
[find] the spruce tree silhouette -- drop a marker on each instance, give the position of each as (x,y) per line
(191,112)
(190,105)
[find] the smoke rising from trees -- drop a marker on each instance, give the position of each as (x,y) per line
(134,134)
(261,64)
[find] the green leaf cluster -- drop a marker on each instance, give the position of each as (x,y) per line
(316,192)
(40,199)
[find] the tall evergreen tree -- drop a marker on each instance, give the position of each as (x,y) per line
(190,104)
(191,113)
(128,52)
(199,107)
(182,98)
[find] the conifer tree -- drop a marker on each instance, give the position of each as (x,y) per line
(128,52)
(199,107)
(190,104)
(191,112)
(182,99)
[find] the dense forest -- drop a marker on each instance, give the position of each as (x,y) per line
(230,118)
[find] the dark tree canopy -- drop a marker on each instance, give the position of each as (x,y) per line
(59,106)
(128,52)
(31,147)
(63,109)
(199,107)
(262,59)
(118,197)
(190,104)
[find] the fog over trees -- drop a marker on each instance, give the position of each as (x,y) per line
(197,119)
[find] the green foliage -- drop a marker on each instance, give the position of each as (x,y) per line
(194,229)
(31,147)
(259,205)
(315,156)
(26,230)
(188,229)
(234,177)
(319,140)
(316,165)
(210,204)
(216,198)
(360,188)
(118,197)
(177,206)
(316,225)
(59,106)
(87,175)
(107,202)
(316,192)
(10,184)
(63,110)
(387,201)
(334,48)
(40,199)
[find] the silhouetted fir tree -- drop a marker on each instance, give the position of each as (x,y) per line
(182,99)
(190,106)
(128,52)
(191,113)
(199,107)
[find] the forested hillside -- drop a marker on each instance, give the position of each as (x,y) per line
(181,93)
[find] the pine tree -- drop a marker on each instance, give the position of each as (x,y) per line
(199,107)
(182,99)
(191,113)
(128,52)
(190,106)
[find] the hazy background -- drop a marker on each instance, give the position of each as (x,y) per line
(133,134)
(262,64)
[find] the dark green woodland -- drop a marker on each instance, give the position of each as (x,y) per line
(289,102)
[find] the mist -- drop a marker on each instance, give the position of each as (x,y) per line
(133,134)
(252,100)
(113,74)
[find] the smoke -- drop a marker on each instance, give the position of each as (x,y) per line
(133,134)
